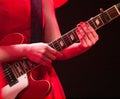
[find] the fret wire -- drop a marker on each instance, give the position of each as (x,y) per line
(71,42)
(109,10)
(90,21)
(17,69)
(104,17)
(56,45)
(108,15)
(70,38)
(14,65)
(75,35)
(27,69)
(117,10)
(112,11)
(62,41)
(24,66)
(21,65)
(51,44)
(14,71)
(67,41)
(60,47)
(63,38)
(59,43)
(27,63)
(67,36)
(97,17)
(117,7)
(30,64)
(20,70)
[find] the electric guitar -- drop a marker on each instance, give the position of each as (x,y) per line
(17,77)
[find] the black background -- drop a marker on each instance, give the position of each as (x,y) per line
(96,72)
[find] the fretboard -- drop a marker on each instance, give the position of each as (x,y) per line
(96,22)
(105,17)
(64,41)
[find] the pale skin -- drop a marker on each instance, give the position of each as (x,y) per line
(43,54)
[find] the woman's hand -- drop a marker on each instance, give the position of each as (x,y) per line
(87,35)
(41,53)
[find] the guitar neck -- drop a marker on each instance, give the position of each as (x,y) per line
(96,22)
(65,40)
(105,17)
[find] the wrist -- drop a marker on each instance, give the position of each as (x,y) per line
(26,48)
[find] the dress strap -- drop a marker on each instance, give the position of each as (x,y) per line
(36,21)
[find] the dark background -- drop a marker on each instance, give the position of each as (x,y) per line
(96,72)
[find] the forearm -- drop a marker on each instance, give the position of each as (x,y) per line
(72,51)
(12,52)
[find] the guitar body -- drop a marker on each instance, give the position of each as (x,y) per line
(26,87)
(37,89)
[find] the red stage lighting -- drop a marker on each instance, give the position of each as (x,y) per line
(59,3)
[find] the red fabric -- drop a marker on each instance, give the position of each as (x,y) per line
(59,3)
(15,17)
(0,87)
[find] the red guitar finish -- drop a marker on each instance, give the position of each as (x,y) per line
(27,87)
(37,89)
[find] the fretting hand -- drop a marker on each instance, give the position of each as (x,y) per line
(87,35)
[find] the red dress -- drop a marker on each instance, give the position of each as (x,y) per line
(15,18)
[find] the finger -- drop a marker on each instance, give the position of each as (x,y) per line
(38,60)
(83,43)
(92,31)
(86,40)
(89,38)
(81,34)
(89,31)
(79,31)
(44,61)
(95,35)
(50,55)
(54,52)
(51,50)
